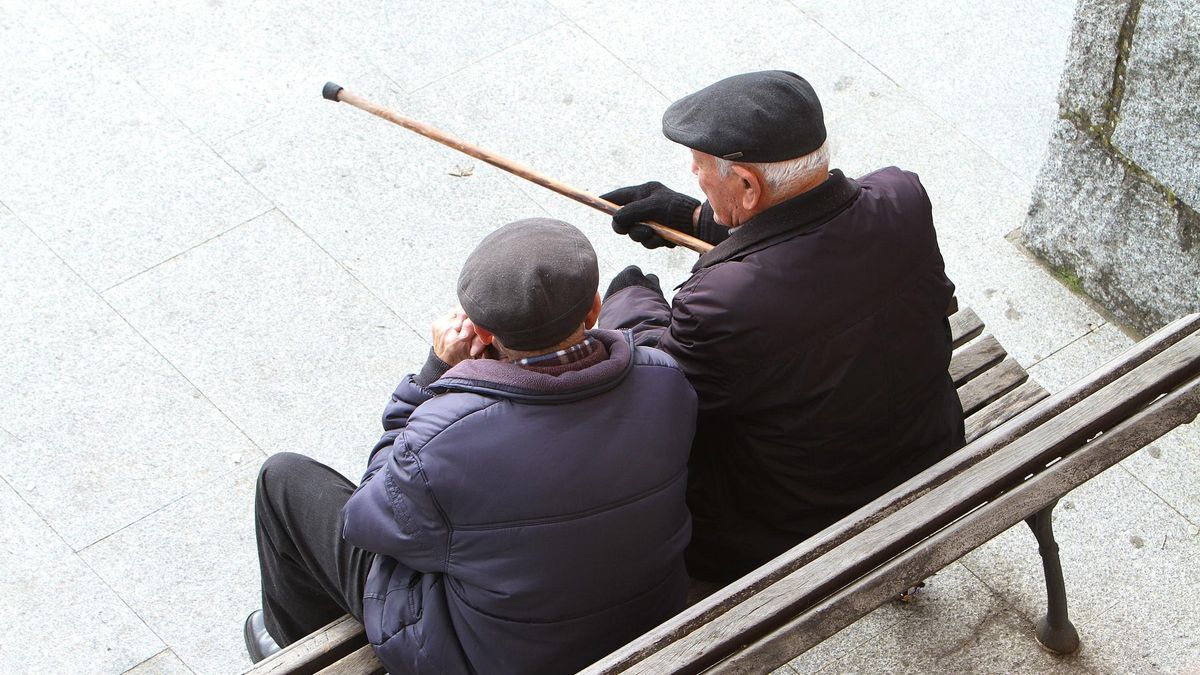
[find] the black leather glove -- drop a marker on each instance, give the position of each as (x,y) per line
(632,276)
(651,201)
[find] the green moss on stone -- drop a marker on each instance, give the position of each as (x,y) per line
(1067,277)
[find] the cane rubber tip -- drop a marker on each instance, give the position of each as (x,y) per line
(330,91)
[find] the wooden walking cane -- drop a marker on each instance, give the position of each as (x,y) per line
(336,93)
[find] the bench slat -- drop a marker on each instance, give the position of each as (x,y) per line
(990,386)
(316,651)
(973,530)
(774,605)
(964,325)
(1004,408)
(971,361)
(360,662)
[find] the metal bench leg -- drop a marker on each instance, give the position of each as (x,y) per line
(1054,631)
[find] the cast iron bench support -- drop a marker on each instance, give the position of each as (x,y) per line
(1054,631)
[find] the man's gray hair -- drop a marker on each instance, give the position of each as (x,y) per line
(779,176)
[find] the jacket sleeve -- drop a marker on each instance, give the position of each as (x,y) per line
(695,329)
(404,401)
(639,309)
(394,512)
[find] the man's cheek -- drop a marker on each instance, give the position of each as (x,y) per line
(719,214)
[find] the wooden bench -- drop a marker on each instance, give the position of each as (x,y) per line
(1024,451)
(1017,471)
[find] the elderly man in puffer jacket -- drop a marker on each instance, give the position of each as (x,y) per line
(524,511)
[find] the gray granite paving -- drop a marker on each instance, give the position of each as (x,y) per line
(202,263)
(94,165)
(162,663)
(272,329)
(49,595)
(985,67)
(190,571)
(124,429)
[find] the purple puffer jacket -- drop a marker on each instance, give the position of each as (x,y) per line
(526,523)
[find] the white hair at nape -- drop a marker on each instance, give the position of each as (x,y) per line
(779,176)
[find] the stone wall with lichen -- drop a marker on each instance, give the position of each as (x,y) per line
(1114,209)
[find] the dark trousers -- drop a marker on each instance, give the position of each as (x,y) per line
(310,576)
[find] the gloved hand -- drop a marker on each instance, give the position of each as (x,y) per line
(632,276)
(651,201)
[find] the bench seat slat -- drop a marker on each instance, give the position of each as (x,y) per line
(1004,408)
(965,325)
(361,661)
(316,651)
(973,360)
(991,385)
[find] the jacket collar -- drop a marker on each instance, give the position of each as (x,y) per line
(492,377)
(785,220)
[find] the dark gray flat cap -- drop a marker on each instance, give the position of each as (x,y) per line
(531,282)
(768,116)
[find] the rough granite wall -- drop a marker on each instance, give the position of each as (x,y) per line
(1114,209)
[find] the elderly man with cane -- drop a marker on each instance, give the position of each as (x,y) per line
(524,510)
(814,331)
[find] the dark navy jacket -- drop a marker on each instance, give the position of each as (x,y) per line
(816,338)
(526,523)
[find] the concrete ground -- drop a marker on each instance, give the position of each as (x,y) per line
(203,263)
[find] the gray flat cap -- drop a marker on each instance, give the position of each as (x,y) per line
(768,116)
(531,282)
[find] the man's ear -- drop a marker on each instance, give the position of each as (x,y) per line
(753,188)
(593,313)
(484,336)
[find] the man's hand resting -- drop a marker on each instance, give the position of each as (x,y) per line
(632,276)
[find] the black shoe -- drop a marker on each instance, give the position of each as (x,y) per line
(259,642)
